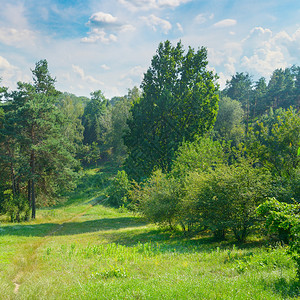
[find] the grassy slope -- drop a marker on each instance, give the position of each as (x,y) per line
(81,251)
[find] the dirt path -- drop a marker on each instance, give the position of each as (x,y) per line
(29,259)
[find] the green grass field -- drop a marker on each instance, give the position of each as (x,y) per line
(84,250)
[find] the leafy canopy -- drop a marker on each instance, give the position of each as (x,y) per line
(179,101)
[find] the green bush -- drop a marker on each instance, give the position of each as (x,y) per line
(17,207)
(119,190)
(157,199)
(227,197)
(279,218)
(202,155)
(283,219)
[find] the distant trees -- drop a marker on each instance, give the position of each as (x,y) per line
(93,118)
(120,115)
(282,91)
(229,123)
(275,139)
(104,125)
(179,101)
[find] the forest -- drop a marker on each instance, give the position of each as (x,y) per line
(187,156)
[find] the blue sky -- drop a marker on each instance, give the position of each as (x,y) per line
(109,44)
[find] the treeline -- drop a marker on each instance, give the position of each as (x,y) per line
(46,137)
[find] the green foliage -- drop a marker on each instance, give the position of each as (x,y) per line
(42,80)
(294,247)
(120,113)
(119,191)
(37,141)
(229,122)
(282,91)
(227,197)
(17,207)
(202,155)
(72,108)
(275,140)
(284,220)
(95,119)
(179,101)
(279,217)
(239,88)
(157,199)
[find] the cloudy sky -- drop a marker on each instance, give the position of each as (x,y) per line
(109,44)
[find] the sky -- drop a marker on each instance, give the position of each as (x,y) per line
(108,45)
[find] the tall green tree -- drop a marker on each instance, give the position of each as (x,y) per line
(259,98)
(40,154)
(179,101)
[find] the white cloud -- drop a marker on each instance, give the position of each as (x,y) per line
(8,72)
(289,42)
(17,37)
(101,19)
(137,71)
(104,28)
(4,64)
(171,3)
(151,4)
(86,78)
(200,19)
(154,22)
(133,77)
(268,51)
(225,23)
(14,14)
(105,67)
(127,28)
(259,53)
(264,61)
(222,79)
(99,35)
(230,65)
(179,27)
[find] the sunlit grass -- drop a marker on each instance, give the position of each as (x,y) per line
(84,251)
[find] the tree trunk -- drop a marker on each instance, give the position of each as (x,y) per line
(29,192)
(12,171)
(32,163)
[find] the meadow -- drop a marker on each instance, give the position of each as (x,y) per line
(83,249)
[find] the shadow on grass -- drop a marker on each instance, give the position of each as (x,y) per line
(165,240)
(285,288)
(177,241)
(71,228)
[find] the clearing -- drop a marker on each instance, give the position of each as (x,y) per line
(85,250)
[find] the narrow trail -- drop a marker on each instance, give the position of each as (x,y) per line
(32,257)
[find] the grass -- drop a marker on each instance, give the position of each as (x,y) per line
(80,250)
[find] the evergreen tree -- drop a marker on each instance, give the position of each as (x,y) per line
(38,150)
